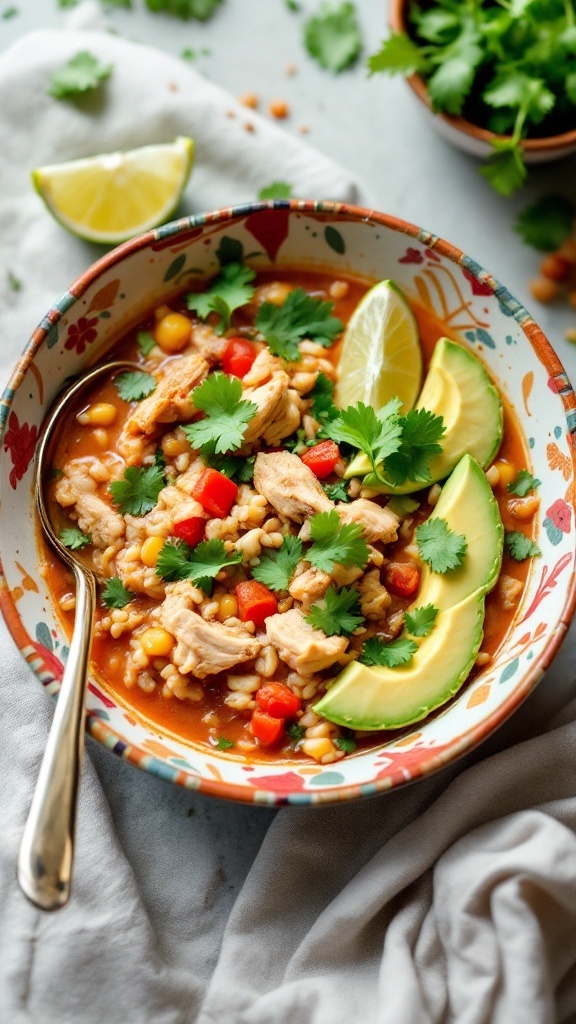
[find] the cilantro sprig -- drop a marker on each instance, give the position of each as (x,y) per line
(336,543)
(137,493)
(81,74)
(420,621)
(323,408)
(392,654)
(230,290)
(134,385)
(178,561)
(74,539)
(338,613)
(332,36)
(442,548)
(523,483)
(300,316)
(115,594)
(519,546)
(276,566)
(226,414)
(201,10)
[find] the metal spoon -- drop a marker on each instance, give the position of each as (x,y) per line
(47,849)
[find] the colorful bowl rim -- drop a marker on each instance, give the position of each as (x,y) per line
(463,743)
(566,140)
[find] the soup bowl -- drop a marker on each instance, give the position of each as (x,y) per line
(113,295)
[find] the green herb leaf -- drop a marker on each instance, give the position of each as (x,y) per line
(402,505)
(115,594)
(338,613)
(505,170)
(333,37)
(292,5)
(295,731)
(276,566)
(230,290)
(336,543)
(420,621)
(301,316)
(337,491)
(346,743)
(377,434)
(547,222)
(135,385)
(519,546)
(276,190)
(227,414)
(15,284)
(201,10)
(391,655)
(146,342)
(421,431)
(523,483)
(323,408)
(224,744)
(80,75)
(201,564)
(138,492)
(439,546)
(74,539)
(398,55)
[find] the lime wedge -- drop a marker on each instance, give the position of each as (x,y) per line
(113,196)
(381,356)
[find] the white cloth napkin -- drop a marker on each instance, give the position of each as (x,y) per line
(453,900)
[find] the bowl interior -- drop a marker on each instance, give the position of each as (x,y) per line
(114,293)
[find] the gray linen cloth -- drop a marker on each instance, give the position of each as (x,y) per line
(452,900)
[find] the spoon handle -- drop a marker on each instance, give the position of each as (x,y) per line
(46,853)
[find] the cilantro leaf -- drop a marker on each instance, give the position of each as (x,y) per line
(519,546)
(398,55)
(138,492)
(505,170)
(452,81)
(227,413)
(295,731)
(14,282)
(323,408)
(230,290)
(115,594)
(333,37)
(224,744)
(201,564)
(276,566)
(336,543)
(377,434)
(337,491)
(74,539)
(81,74)
(397,652)
(300,316)
(135,385)
(338,613)
(201,10)
(439,546)
(421,621)
(421,430)
(276,190)
(346,743)
(546,223)
(146,342)
(523,483)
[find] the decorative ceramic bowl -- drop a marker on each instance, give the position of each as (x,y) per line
(477,311)
(465,134)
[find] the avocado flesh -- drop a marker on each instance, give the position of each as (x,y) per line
(457,388)
(375,697)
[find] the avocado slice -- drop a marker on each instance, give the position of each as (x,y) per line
(377,697)
(458,388)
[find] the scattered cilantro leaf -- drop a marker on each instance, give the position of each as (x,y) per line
(201,564)
(519,546)
(295,732)
(505,170)
(421,621)
(398,55)
(9,12)
(227,413)
(439,546)
(276,566)
(230,290)
(115,594)
(523,483)
(332,36)
(138,492)
(146,342)
(74,539)
(323,408)
(421,431)
(338,613)
(546,223)
(300,316)
(160,459)
(224,744)
(397,652)
(346,743)
(14,282)
(134,385)
(56,473)
(336,543)
(337,491)
(80,75)
(276,190)
(201,10)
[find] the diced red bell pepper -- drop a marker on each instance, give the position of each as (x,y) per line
(402,578)
(265,728)
(277,700)
(191,530)
(215,492)
(322,458)
(238,357)
(255,602)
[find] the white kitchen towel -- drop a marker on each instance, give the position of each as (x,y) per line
(451,901)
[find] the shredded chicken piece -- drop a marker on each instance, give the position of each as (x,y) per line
(209,345)
(170,401)
(378,523)
(309,586)
(289,486)
(262,369)
(374,598)
(303,648)
(508,591)
(77,489)
(203,648)
(278,413)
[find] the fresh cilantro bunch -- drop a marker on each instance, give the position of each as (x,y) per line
(230,290)
(300,316)
(507,67)
(226,415)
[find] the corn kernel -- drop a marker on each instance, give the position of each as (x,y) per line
(228,607)
(150,550)
(506,473)
(318,748)
(101,414)
(156,642)
(173,332)
(525,508)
